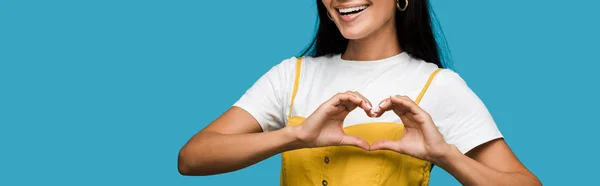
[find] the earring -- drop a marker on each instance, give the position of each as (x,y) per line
(403,8)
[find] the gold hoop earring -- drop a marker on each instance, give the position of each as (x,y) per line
(403,8)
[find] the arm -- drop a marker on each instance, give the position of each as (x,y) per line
(492,163)
(235,141)
(232,142)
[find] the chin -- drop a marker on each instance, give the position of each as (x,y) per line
(353,33)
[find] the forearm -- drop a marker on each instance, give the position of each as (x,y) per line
(213,153)
(470,172)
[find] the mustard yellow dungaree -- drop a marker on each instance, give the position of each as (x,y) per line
(352,166)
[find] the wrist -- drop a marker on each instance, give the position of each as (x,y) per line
(450,155)
(294,137)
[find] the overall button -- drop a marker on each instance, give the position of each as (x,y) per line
(326,160)
(324,182)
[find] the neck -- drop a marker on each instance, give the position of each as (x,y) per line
(380,44)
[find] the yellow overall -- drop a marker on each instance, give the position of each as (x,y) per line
(352,166)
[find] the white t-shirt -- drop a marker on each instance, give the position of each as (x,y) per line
(457,111)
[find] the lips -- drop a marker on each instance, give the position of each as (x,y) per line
(350,13)
(352,10)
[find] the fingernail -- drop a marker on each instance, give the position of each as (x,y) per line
(382,103)
(369,106)
(374,110)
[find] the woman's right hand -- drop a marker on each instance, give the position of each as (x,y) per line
(324,127)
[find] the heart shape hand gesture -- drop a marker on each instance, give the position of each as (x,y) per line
(324,127)
(421,138)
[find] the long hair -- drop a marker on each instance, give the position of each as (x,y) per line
(414,29)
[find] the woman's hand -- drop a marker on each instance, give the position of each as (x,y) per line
(421,138)
(324,127)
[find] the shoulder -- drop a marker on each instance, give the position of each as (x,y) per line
(447,83)
(288,65)
(283,73)
(447,91)
(445,77)
(285,66)
(442,79)
(306,65)
(311,61)
(450,94)
(448,78)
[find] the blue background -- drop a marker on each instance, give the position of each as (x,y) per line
(106,92)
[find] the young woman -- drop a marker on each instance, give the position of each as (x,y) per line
(308,109)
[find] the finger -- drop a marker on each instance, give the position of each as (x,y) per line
(381,108)
(346,101)
(403,104)
(386,145)
(348,106)
(355,141)
(366,104)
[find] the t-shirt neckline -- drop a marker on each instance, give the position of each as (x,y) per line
(398,58)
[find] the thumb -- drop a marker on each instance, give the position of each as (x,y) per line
(355,141)
(386,145)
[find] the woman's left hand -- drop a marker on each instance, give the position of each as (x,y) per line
(421,137)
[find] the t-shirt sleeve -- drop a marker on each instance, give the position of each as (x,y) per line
(459,114)
(266,98)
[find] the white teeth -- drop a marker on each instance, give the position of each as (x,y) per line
(353,9)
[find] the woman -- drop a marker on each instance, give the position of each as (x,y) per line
(308,109)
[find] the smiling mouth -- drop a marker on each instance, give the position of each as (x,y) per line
(352,10)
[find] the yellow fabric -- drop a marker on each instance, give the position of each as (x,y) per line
(298,66)
(427,85)
(352,166)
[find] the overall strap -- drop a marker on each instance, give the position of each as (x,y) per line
(427,85)
(296,80)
